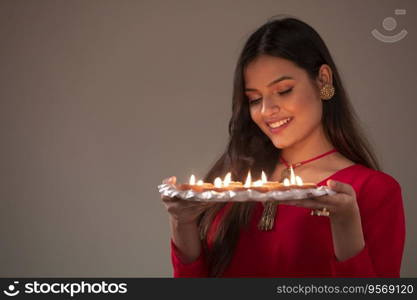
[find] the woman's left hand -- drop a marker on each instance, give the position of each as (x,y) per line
(345,219)
(342,206)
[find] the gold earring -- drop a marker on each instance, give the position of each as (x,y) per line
(327,92)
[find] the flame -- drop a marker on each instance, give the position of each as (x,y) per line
(292,180)
(200,182)
(248,181)
(192,180)
(218,182)
(286,182)
(227,179)
(263,178)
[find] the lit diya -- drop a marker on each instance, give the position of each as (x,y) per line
(262,185)
(200,186)
(295,182)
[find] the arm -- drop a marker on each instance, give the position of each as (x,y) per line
(368,232)
(187,255)
(382,217)
(186,238)
(347,237)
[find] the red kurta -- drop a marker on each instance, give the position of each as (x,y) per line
(300,245)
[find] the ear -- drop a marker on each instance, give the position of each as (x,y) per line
(324,76)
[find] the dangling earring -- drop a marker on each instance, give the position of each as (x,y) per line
(327,92)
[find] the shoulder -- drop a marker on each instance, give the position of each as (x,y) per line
(374,188)
(374,179)
(362,177)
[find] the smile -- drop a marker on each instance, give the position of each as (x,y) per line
(279,123)
(276,127)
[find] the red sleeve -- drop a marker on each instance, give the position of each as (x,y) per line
(383,225)
(196,268)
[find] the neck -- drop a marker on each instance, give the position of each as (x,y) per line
(314,145)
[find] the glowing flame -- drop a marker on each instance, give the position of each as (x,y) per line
(192,180)
(200,182)
(248,181)
(292,180)
(263,177)
(218,182)
(286,182)
(227,179)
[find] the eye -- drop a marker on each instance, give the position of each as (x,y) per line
(257,100)
(254,101)
(285,92)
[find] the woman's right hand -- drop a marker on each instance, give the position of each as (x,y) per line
(183,211)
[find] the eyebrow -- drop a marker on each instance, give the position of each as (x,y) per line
(272,82)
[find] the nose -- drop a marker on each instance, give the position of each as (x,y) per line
(269,106)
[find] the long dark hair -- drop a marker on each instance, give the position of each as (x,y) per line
(250,149)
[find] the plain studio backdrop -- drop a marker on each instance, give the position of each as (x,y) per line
(101,100)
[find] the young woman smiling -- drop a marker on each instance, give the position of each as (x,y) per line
(290,108)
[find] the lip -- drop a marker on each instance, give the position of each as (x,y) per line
(281,128)
(276,120)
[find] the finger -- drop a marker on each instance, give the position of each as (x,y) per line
(308,203)
(323,199)
(185,208)
(340,187)
(170,180)
(197,203)
(170,199)
(326,199)
(335,201)
(184,203)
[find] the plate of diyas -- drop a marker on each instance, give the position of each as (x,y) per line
(227,190)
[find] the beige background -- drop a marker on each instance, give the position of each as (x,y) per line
(101,100)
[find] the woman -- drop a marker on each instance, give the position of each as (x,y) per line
(290,108)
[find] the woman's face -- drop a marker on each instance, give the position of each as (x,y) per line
(283,101)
